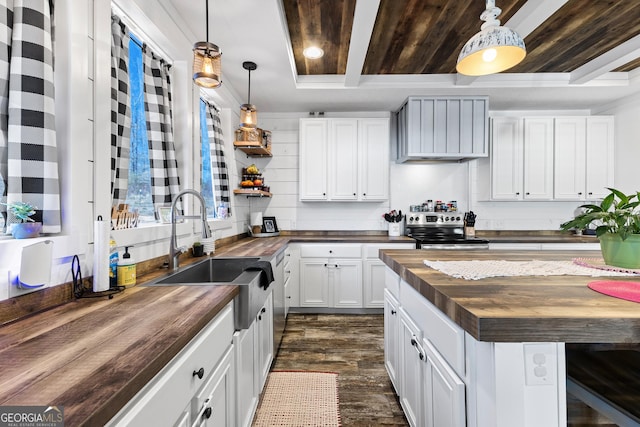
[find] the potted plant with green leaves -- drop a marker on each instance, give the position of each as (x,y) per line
(617,221)
(197,249)
(26,227)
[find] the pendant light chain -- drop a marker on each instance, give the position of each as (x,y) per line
(249,89)
(206,5)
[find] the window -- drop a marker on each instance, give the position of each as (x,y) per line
(139,188)
(206,184)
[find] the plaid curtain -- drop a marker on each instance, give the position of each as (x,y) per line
(28,150)
(219,171)
(165,182)
(120,111)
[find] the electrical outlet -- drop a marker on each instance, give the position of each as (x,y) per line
(540,364)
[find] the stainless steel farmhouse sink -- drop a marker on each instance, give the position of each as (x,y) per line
(210,270)
(225,271)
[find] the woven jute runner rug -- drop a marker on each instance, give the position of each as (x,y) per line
(299,399)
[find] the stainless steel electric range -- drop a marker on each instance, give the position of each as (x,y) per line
(441,230)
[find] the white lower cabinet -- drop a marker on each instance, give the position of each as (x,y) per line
(444,394)
(373,276)
(254,354)
(214,405)
(246,384)
(446,378)
(330,282)
(411,366)
(264,341)
(198,372)
(391,338)
(339,275)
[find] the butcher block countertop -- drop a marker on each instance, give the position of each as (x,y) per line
(522,308)
(93,356)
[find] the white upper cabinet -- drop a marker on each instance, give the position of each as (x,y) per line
(538,159)
(583,157)
(522,158)
(344,159)
(314,143)
(551,158)
(599,162)
(506,158)
(373,157)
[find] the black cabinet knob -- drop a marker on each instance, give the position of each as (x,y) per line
(207,413)
(199,373)
(393,312)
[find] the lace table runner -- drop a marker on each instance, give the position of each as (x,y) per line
(476,269)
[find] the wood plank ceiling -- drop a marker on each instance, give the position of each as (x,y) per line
(425,36)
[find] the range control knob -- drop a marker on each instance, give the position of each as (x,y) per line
(446,218)
(457,218)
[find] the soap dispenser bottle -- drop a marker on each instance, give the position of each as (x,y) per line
(126,269)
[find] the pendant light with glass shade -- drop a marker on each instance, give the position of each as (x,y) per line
(494,49)
(248,111)
(206,60)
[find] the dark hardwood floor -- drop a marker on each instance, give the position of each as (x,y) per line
(352,346)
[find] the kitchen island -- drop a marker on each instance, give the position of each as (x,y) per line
(497,344)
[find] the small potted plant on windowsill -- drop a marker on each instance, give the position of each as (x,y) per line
(197,249)
(617,221)
(26,227)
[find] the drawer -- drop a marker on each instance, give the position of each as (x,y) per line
(371,250)
(446,336)
(327,250)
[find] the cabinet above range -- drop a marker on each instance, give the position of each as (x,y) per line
(442,128)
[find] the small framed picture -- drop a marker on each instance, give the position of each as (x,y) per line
(269,224)
(164,214)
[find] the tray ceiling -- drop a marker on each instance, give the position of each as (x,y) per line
(581,54)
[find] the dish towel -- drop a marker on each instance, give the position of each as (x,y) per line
(266,275)
(481,269)
(629,291)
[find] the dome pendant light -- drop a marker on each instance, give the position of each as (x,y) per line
(248,111)
(493,49)
(206,61)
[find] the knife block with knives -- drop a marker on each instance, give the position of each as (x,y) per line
(469,225)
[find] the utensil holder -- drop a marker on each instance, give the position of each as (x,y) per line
(394,229)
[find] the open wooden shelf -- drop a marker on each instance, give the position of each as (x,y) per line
(250,192)
(252,148)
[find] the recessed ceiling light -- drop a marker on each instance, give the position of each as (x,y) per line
(313,52)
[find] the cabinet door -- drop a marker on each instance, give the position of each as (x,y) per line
(373,157)
(444,392)
(391,339)
(373,282)
(569,158)
(538,158)
(411,366)
(343,159)
(314,282)
(599,153)
(264,342)
(216,400)
(345,282)
(314,134)
(246,383)
(506,158)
